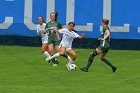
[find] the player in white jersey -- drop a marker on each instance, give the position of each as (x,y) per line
(43,35)
(66,43)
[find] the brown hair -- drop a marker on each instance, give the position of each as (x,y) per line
(71,23)
(106,21)
(42,18)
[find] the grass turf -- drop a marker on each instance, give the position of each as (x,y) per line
(23,70)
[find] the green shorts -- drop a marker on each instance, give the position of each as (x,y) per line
(54,41)
(104,49)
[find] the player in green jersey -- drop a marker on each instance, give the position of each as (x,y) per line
(53,37)
(102,50)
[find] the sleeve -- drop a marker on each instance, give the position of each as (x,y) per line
(62,30)
(46,25)
(59,25)
(37,29)
(106,28)
(76,35)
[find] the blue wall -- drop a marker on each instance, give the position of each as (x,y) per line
(86,11)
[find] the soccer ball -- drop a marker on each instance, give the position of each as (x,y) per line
(72,67)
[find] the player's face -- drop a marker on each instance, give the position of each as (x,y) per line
(40,20)
(103,24)
(71,27)
(52,16)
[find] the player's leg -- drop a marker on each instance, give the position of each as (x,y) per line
(60,53)
(73,55)
(102,57)
(51,51)
(90,59)
(65,55)
(44,49)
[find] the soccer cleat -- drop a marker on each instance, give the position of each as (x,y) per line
(84,69)
(54,65)
(57,62)
(48,59)
(50,62)
(67,65)
(114,69)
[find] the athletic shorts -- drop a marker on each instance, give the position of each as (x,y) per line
(44,40)
(67,48)
(54,41)
(104,49)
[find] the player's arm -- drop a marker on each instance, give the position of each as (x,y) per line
(107,34)
(38,32)
(46,29)
(81,36)
(59,31)
(57,34)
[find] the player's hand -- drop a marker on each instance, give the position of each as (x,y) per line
(99,38)
(102,39)
(83,35)
(55,30)
(59,38)
(45,31)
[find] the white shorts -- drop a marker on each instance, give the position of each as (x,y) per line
(44,40)
(67,48)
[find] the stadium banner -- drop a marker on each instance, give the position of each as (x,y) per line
(19,17)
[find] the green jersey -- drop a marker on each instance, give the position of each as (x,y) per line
(106,42)
(51,26)
(53,39)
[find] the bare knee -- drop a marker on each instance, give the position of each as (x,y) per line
(43,51)
(102,57)
(61,53)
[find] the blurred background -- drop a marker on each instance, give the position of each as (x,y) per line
(18,20)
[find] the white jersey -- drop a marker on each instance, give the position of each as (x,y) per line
(67,38)
(41,28)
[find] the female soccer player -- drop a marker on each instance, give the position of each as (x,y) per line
(66,43)
(102,50)
(54,38)
(44,36)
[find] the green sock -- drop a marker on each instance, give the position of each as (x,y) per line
(88,65)
(91,58)
(65,56)
(107,62)
(54,61)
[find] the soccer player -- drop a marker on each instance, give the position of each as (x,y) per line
(44,36)
(54,38)
(103,49)
(66,43)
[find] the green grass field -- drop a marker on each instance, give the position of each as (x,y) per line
(23,70)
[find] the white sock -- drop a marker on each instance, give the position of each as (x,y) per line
(46,54)
(70,62)
(69,58)
(55,55)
